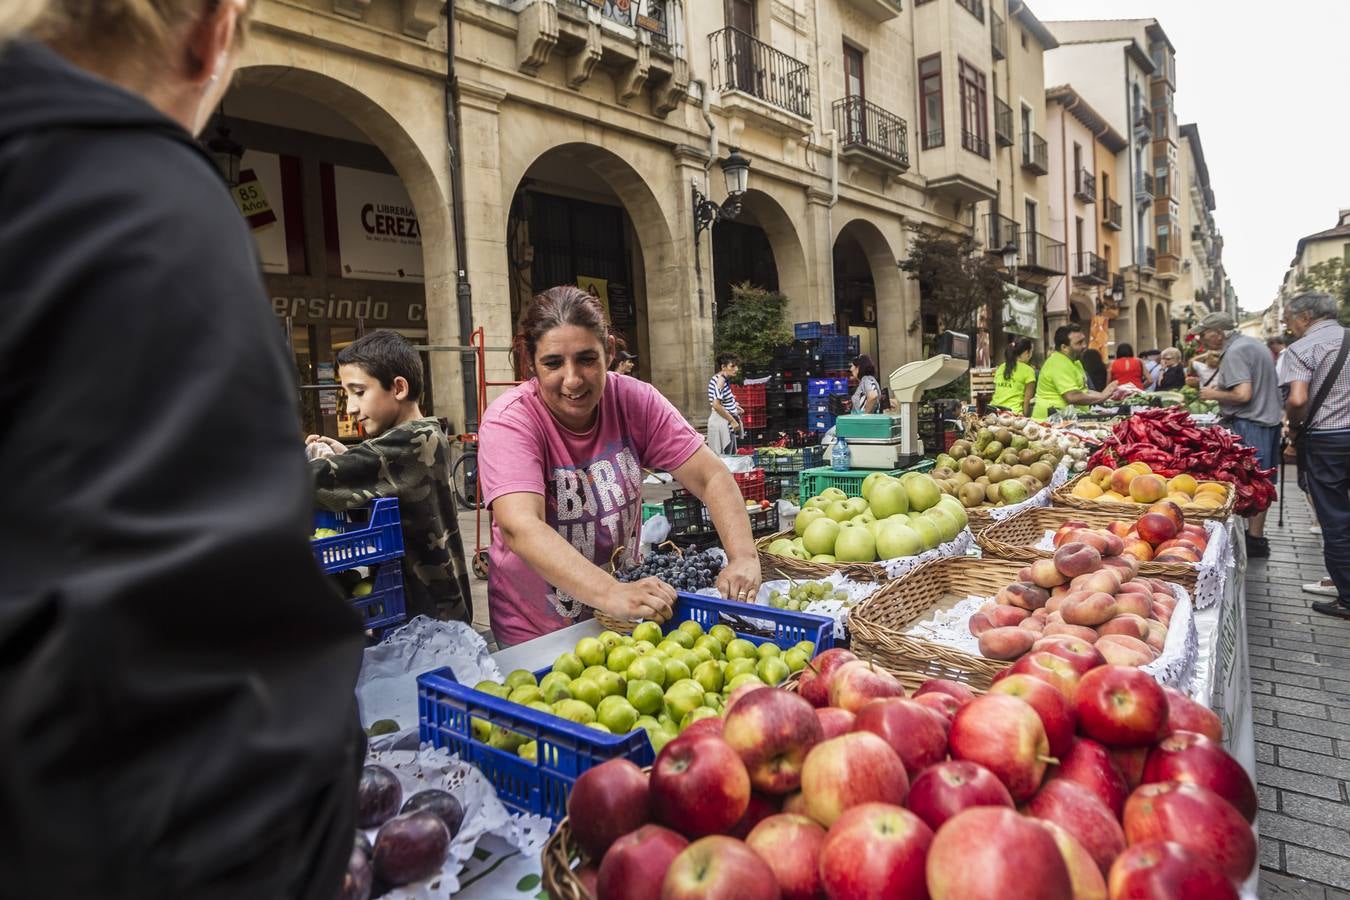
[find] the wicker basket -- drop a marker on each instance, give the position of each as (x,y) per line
(878,622)
(1064,497)
(1016,538)
(772,565)
(556,861)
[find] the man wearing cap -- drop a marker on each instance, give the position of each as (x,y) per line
(625,362)
(1248,393)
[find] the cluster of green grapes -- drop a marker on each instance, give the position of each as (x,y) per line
(802,594)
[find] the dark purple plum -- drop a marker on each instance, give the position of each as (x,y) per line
(360,873)
(364,844)
(377,797)
(410,848)
(442,803)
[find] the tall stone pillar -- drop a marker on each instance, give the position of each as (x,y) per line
(818,241)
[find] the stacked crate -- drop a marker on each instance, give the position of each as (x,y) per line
(368,551)
(820,406)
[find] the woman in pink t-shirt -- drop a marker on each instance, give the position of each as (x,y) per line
(560,463)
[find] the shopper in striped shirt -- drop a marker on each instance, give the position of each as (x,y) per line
(1324,448)
(724,420)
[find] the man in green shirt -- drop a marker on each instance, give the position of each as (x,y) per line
(1061,383)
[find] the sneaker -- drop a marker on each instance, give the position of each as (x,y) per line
(1323,588)
(1332,608)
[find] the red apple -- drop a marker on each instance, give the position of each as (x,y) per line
(943,790)
(1130,761)
(636,863)
(589,877)
(1053,669)
(944,705)
(946,686)
(760,807)
(991,853)
(796,803)
(712,725)
(1076,809)
(1004,735)
(814,682)
(1194,758)
(1079,653)
(607,802)
(1164,870)
(1089,882)
(833,721)
(1184,714)
(1089,763)
(797,871)
(848,771)
(1198,819)
(735,696)
(773,731)
(914,732)
(1121,706)
(1156,528)
(699,786)
(874,850)
(1056,713)
(719,868)
(856,682)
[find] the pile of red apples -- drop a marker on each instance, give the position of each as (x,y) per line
(1091,783)
(1091,592)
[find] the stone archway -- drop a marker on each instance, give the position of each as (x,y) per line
(762,210)
(863,240)
(1162,328)
(1143,326)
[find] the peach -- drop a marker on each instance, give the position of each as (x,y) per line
(996,617)
(1093,538)
(1147,489)
(1044,574)
(1166,599)
(1119,529)
(1115,544)
(1054,603)
(1076,558)
(1178,554)
(1134,604)
(1107,581)
(1059,590)
(1157,635)
(1183,484)
(1162,614)
(1031,623)
(1079,632)
(1119,653)
(1136,586)
(1156,528)
(1124,640)
(1169,509)
(1180,499)
(1006,643)
(1128,566)
(1196,531)
(1120,481)
(1140,467)
(1055,618)
(1062,533)
(1021,594)
(1094,609)
(1101,475)
(1024,574)
(1041,613)
(1127,624)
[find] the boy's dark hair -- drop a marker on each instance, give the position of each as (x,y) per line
(726,359)
(1062,333)
(386,355)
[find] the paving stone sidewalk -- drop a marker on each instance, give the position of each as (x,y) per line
(1300,671)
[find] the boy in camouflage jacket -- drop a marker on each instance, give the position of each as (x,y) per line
(406,456)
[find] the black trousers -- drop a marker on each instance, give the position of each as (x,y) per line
(1326,460)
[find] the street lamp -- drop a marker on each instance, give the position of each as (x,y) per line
(226,152)
(1010,256)
(736,171)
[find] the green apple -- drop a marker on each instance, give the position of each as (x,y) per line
(709,674)
(767,649)
(691,628)
(502,739)
(646,668)
(781,547)
(690,659)
(809,647)
(675,670)
(703,654)
(526,693)
(591,652)
(738,666)
(493,688)
(540,706)
(599,726)
(953,506)
(824,558)
(660,738)
(712,701)
(711,644)
(520,677)
(643,647)
(874,526)
(480,729)
(694,715)
(612,684)
(586,691)
(839,511)
(620,658)
(569,664)
(871,481)
(927,530)
(529,750)
(574,711)
(745,678)
(594,673)
(649,632)
(668,646)
(558,690)
(626,640)
(805,517)
(799,553)
(820,536)
(898,539)
(555,677)
(864,518)
(818,502)
(923,492)
(946,523)
(610,639)
(616,714)
(833,493)
(723,633)
(855,545)
(647,724)
(683,697)
(856,505)
(645,696)
(682,638)
(889,498)
(773,669)
(741,649)
(796,659)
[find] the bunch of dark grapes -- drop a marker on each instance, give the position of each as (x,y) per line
(691,572)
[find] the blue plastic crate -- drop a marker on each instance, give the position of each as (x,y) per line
(383,607)
(825,387)
(840,343)
(369,535)
(566,749)
(810,331)
(820,422)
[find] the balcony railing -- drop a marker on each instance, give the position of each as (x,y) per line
(1143,184)
(1085,186)
(741,62)
(866,126)
(1003,123)
(1143,118)
(974,7)
(1090,268)
(1149,258)
(1000,231)
(974,143)
(933,138)
(1035,153)
(1111,214)
(1042,254)
(998,35)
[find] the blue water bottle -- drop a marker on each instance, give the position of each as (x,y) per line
(841,458)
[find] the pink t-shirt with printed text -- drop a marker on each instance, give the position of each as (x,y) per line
(591,484)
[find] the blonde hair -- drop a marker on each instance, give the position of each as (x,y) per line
(17,15)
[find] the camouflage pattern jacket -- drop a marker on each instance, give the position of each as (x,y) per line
(411,462)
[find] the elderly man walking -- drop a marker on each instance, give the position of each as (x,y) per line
(1248,393)
(1319,415)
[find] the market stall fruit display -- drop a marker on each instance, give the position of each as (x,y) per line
(682,571)
(926,807)
(1137,483)
(413,837)
(1161,534)
(1000,466)
(801,594)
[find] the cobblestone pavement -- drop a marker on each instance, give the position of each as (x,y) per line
(1300,671)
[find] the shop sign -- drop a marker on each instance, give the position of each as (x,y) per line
(327,310)
(258,197)
(597,288)
(371,227)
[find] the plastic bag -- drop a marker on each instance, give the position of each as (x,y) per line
(655,530)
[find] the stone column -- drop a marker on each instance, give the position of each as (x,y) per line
(681,331)
(818,241)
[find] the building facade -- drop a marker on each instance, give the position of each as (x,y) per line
(1202,283)
(1312,255)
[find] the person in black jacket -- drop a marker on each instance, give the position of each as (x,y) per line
(1173,376)
(177,710)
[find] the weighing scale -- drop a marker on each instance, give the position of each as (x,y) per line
(893,442)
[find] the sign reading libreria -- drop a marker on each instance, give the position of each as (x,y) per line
(374,226)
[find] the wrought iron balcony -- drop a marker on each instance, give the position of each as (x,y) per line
(1035,153)
(933,138)
(741,62)
(1003,123)
(1143,188)
(867,127)
(998,35)
(1149,258)
(974,7)
(1090,268)
(1143,122)
(999,232)
(974,143)
(1042,254)
(1085,186)
(1111,214)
